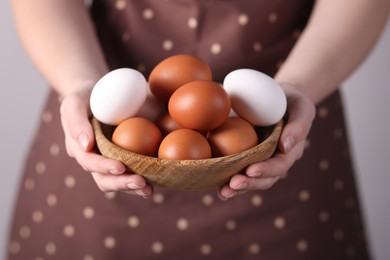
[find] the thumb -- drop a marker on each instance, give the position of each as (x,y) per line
(75,113)
(300,115)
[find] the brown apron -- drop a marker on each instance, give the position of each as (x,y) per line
(311,214)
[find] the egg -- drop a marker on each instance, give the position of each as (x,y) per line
(118,95)
(184,144)
(234,136)
(255,96)
(138,135)
(175,71)
(200,105)
(166,124)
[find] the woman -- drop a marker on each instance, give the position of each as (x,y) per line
(309,48)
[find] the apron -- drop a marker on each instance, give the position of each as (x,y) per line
(313,213)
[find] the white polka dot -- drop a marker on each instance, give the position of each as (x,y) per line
(324,165)
(304,195)
(207,199)
(29,184)
(110,195)
(148,14)
(158,198)
(157,247)
(216,48)
(272,18)
(256,200)
(47,117)
(350,203)
(323,112)
(192,23)
(350,252)
(24,232)
(70,181)
(14,247)
(50,248)
(182,224)
(133,221)
(37,216)
(54,149)
(338,234)
(338,184)
(51,200)
(254,248)
(69,231)
(231,225)
(296,34)
(109,242)
(120,4)
(88,212)
(324,216)
(257,47)
(279,64)
(307,144)
(125,36)
(167,45)
(243,19)
(302,245)
(141,67)
(40,167)
(206,249)
(337,133)
(88,257)
(279,222)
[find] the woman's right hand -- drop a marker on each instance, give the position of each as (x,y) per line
(109,175)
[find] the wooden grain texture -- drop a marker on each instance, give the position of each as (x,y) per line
(188,174)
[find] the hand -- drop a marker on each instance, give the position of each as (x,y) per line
(263,175)
(108,174)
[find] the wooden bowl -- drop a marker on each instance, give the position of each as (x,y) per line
(188,174)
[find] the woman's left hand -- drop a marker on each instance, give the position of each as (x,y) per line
(263,175)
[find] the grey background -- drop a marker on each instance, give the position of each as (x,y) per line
(366,94)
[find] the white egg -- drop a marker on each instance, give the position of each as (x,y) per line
(255,96)
(118,95)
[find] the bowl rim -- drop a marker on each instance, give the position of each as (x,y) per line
(276,131)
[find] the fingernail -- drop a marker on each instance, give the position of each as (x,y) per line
(133,186)
(230,195)
(241,186)
(115,172)
(254,174)
(83,141)
(288,144)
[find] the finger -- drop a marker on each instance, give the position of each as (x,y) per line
(75,114)
(226,192)
(278,165)
(241,182)
(301,112)
(130,183)
(93,162)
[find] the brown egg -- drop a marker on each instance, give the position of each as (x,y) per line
(200,105)
(175,71)
(184,144)
(138,135)
(234,136)
(167,124)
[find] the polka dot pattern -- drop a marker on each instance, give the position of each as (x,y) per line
(314,213)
